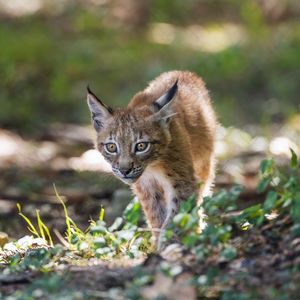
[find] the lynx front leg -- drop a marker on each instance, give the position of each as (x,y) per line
(155,212)
(171,211)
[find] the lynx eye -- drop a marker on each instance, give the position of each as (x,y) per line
(142,147)
(111,147)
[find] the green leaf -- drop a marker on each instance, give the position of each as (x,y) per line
(181,219)
(264,183)
(295,209)
(270,201)
(251,213)
(98,229)
(169,234)
(229,253)
(294,159)
(287,202)
(260,220)
(132,212)
(191,239)
(235,192)
(296,230)
(189,204)
(252,210)
(125,235)
(116,224)
(102,251)
(266,166)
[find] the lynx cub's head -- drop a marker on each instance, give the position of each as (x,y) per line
(132,138)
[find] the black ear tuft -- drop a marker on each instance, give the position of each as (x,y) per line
(166,98)
(99,111)
(172,91)
(88,89)
(91,93)
(110,110)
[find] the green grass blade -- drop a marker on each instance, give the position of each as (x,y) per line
(44,230)
(75,227)
(30,226)
(48,234)
(41,229)
(101,216)
(69,231)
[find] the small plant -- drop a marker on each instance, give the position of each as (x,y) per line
(282,188)
(217,240)
(283,196)
(39,259)
(123,237)
(42,231)
(217,232)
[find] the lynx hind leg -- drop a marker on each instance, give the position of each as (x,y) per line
(205,172)
(206,175)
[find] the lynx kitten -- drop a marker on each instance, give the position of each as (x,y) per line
(162,144)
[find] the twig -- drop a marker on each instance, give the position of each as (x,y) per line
(150,229)
(61,238)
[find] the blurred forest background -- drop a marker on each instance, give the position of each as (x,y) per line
(248,52)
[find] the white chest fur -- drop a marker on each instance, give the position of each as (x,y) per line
(153,177)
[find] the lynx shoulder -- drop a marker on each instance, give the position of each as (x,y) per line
(161,144)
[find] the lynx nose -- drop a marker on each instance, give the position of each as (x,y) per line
(125,171)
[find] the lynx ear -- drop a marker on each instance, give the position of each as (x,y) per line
(99,111)
(162,106)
